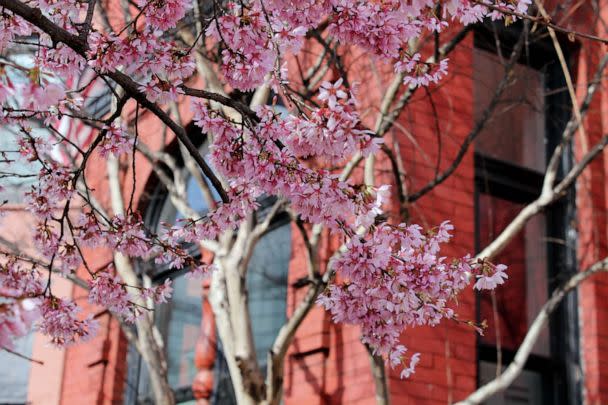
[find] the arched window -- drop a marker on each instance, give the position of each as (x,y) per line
(186,322)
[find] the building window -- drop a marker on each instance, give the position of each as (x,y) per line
(15,372)
(180,321)
(510,158)
(513,135)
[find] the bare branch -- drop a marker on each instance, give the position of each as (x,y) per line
(547,197)
(23,356)
(88,19)
(276,355)
(505,379)
(567,76)
(546,21)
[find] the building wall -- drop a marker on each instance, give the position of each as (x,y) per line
(45,379)
(593,243)
(326,363)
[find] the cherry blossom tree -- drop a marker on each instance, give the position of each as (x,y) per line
(229,63)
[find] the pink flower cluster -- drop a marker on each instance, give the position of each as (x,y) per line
(24,305)
(491,276)
(63,12)
(40,96)
(469,12)
(164,14)
(421,73)
(128,236)
(53,188)
(262,161)
(379,27)
(116,140)
(16,320)
(33,148)
(69,257)
(10,27)
(252,41)
(19,287)
(333,131)
(59,320)
(111,292)
(62,61)
(160,64)
(393,278)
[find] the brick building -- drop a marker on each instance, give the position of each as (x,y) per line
(327,364)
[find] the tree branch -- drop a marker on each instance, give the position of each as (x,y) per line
(547,197)
(79,45)
(505,379)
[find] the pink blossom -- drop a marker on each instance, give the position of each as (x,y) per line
(200,271)
(161,91)
(390,276)
(128,236)
(60,323)
(116,140)
(90,232)
(33,148)
(41,97)
(414,360)
(69,258)
(164,14)
(330,93)
(111,292)
(16,319)
(11,26)
(491,281)
(160,293)
(394,279)
(62,61)
(105,51)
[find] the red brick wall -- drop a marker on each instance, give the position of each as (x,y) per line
(327,364)
(447,369)
(593,243)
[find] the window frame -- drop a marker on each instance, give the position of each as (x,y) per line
(517,184)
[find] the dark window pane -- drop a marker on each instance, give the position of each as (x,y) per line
(183,323)
(267,287)
(516,132)
(223,392)
(521,297)
(525,390)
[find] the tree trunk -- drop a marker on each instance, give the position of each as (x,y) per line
(154,358)
(380,378)
(228,298)
(150,349)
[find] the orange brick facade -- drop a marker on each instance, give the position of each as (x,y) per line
(327,364)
